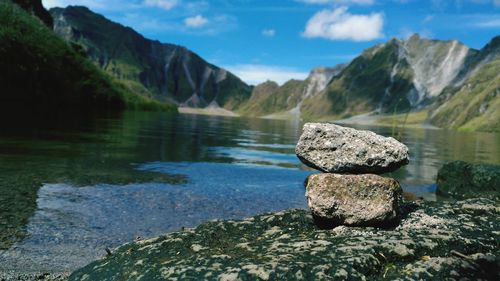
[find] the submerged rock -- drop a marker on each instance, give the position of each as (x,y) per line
(363,200)
(336,149)
(461,180)
(439,241)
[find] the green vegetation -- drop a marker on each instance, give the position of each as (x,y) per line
(160,71)
(459,180)
(288,246)
(232,93)
(39,68)
(364,86)
(268,98)
(410,119)
(476,105)
(36,8)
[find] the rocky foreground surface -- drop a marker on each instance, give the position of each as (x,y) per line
(441,241)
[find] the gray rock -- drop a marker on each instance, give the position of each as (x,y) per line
(358,200)
(459,179)
(336,149)
(436,241)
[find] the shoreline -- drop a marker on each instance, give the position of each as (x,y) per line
(366,119)
(428,242)
(217,111)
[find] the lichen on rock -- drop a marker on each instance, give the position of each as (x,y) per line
(459,179)
(437,240)
(335,149)
(359,200)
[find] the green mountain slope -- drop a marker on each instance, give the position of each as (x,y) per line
(456,85)
(379,78)
(269,98)
(39,68)
(393,77)
(475,105)
(36,8)
(165,72)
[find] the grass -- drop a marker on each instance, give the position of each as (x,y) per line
(476,105)
(37,67)
(129,57)
(361,86)
(411,119)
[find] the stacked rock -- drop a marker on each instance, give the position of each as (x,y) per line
(350,192)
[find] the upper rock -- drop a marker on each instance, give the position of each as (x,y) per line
(336,149)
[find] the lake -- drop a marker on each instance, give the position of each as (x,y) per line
(72,187)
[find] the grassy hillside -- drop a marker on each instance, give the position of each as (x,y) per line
(36,8)
(268,98)
(158,70)
(475,105)
(39,68)
(362,85)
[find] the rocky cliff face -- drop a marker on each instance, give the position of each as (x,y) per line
(165,72)
(474,102)
(394,76)
(435,65)
(270,98)
(458,84)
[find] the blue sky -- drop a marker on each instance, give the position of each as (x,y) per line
(284,39)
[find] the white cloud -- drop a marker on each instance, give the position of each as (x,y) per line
(196,21)
(268,32)
(342,2)
(339,24)
(406,33)
(163,4)
(488,23)
(53,3)
(494,2)
(254,74)
(428,18)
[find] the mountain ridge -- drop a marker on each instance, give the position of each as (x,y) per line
(163,71)
(271,99)
(400,76)
(40,69)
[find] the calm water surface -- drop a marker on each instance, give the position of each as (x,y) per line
(69,188)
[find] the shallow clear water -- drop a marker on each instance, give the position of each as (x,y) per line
(69,188)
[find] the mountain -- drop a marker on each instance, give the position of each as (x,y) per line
(458,86)
(36,8)
(392,77)
(270,98)
(40,69)
(474,104)
(165,72)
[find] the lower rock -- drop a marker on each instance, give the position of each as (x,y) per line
(357,200)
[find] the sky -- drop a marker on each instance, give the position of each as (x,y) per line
(278,40)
